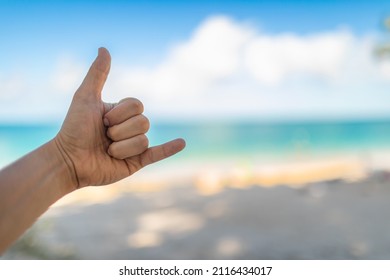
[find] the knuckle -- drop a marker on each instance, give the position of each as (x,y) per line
(115,151)
(143,142)
(144,123)
(137,105)
(112,132)
(133,104)
(112,150)
(125,100)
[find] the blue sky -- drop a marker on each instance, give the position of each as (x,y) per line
(36,35)
(147,27)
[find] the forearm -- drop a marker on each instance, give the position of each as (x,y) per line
(28,187)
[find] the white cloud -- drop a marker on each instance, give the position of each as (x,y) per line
(221,49)
(213,53)
(67,75)
(38,96)
(11,86)
(272,59)
(228,69)
(384,69)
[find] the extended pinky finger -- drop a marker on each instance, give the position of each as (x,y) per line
(161,152)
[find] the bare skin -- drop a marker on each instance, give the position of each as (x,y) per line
(98,144)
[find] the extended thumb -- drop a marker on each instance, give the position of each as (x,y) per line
(97,75)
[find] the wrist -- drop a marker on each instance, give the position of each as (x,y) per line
(66,171)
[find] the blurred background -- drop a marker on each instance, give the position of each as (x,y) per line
(285,107)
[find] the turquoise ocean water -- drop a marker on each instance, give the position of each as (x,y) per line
(230,140)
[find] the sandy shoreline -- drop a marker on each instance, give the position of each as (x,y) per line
(211,177)
(328,220)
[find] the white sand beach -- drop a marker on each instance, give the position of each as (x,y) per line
(331,209)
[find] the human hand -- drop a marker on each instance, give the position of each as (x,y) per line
(102,142)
